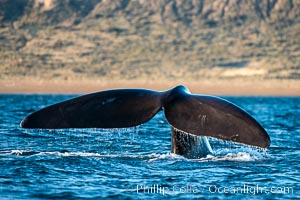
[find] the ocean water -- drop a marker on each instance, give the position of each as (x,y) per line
(136,163)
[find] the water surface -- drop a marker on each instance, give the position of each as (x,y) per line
(136,163)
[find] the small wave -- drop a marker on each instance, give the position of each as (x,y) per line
(147,157)
(70,154)
(55,153)
(231,151)
(151,157)
(240,157)
(154,157)
(234,157)
(18,152)
(78,154)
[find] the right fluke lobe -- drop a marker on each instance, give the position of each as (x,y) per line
(215,117)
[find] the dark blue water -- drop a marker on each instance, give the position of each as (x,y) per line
(136,163)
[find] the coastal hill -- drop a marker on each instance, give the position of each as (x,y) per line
(150,39)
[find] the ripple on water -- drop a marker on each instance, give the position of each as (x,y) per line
(98,163)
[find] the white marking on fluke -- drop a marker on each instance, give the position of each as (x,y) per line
(109,100)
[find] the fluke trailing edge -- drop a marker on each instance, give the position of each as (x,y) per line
(196,115)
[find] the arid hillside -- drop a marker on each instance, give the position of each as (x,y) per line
(150,39)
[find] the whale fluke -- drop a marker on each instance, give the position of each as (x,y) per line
(198,115)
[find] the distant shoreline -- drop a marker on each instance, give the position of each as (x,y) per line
(212,87)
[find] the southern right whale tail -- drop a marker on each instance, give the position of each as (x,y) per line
(198,115)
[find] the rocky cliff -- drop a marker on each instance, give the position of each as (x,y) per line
(150,39)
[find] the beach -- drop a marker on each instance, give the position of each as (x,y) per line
(211,87)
